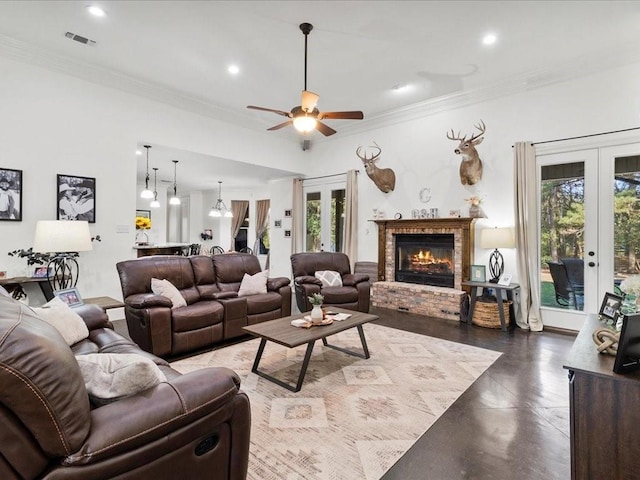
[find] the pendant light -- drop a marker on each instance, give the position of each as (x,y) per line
(174,200)
(155,203)
(220,207)
(146,193)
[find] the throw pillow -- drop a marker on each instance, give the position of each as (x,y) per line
(60,316)
(169,290)
(329,278)
(253,284)
(111,376)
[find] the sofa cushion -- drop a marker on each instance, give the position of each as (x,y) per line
(329,278)
(67,322)
(263,303)
(169,290)
(110,376)
(338,295)
(198,315)
(253,284)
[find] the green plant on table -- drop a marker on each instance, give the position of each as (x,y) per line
(316,299)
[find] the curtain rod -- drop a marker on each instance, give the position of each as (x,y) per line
(586,136)
(327,176)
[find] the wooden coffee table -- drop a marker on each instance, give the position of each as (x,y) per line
(281,331)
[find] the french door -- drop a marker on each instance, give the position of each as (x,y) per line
(589,229)
(324,215)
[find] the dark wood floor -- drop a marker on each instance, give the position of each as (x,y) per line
(512,423)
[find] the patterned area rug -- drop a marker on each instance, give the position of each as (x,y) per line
(353,418)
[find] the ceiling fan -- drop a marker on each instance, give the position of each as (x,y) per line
(306,116)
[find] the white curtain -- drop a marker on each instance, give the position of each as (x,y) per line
(297,216)
(351,217)
(526,233)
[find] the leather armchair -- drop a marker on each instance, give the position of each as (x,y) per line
(193,426)
(354,294)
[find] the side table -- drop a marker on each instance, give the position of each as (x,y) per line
(501,291)
(105,302)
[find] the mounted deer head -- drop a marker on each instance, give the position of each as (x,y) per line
(384,178)
(471,165)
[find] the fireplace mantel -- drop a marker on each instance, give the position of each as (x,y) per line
(461,227)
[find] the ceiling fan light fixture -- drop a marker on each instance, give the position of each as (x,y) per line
(304,123)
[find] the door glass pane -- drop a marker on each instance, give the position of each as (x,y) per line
(337,220)
(626,218)
(314,223)
(562,236)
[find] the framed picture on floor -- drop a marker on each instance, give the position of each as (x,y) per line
(478,273)
(10,195)
(76,198)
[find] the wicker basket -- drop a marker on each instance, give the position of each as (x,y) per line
(486,314)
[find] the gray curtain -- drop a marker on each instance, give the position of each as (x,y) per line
(239,208)
(526,233)
(262,222)
(297,216)
(351,217)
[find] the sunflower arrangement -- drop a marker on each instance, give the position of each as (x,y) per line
(143,223)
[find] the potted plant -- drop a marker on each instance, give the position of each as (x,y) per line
(316,300)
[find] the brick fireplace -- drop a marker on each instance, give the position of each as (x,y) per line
(412,280)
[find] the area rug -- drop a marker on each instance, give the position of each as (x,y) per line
(353,418)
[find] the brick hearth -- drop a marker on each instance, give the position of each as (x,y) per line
(428,300)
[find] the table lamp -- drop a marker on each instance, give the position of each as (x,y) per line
(496,238)
(64,238)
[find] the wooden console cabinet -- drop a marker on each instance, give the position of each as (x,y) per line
(604,413)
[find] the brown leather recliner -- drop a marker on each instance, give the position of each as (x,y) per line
(193,426)
(354,294)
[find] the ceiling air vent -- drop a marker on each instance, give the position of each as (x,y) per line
(79,38)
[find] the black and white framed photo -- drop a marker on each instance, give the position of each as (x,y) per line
(287,213)
(610,306)
(277,223)
(505,279)
(10,195)
(287,234)
(478,273)
(76,198)
(70,296)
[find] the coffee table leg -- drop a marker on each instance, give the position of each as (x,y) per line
(365,348)
(303,370)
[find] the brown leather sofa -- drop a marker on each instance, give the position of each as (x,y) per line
(354,294)
(210,285)
(193,426)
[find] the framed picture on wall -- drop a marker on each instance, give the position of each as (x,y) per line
(76,198)
(287,213)
(277,223)
(10,195)
(287,234)
(143,213)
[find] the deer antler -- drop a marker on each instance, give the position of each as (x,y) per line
(373,155)
(480,127)
(453,136)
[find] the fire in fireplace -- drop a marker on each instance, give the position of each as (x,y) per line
(425,258)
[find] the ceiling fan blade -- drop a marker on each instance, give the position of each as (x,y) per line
(281,125)
(279,112)
(324,129)
(354,115)
(309,100)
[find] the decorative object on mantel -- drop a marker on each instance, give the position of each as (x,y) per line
(474,207)
(384,178)
(471,165)
(496,238)
(142,224)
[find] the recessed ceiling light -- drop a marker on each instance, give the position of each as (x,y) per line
(489,39)
(401,88)
(233,69)
(96,11)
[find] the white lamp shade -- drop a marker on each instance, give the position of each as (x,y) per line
(62,236)
(497,238)
(146,193)
(174,201)
(215,213)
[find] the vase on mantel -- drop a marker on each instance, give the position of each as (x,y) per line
(142,238)
(316,313)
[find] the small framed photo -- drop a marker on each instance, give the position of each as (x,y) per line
(454,213)
(505,279)
(76,198)
(41,272)
(10,195)
(610,306)
(478,273)
(287,234)
(287,213)
(70,296)
(143,213)
(277,223)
